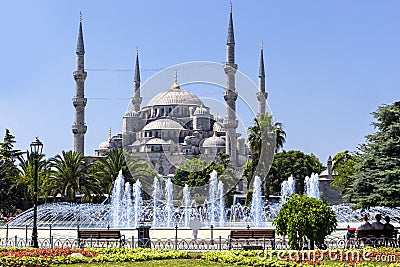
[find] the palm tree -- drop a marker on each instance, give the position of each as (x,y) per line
(71,174)
(265,138)
(26,168)
(107,168)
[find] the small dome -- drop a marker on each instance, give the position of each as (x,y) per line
(214,141)
(104,145)
(218,118)
(219,127)
(163,124)
(201,111)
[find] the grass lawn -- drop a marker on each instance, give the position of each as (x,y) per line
(164,263)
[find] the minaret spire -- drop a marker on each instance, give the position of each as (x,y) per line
(230,95)
(230,51)
(137,99)
(79,101)
(80,48)
(261,94)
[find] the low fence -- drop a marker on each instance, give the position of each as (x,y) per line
(178,241)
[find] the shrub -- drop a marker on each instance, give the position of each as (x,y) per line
(303,217)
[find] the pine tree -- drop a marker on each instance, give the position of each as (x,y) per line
(10,198)
(377,173)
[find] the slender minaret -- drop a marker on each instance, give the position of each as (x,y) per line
(261,94)
(137,100)
(230,95)
(79,128)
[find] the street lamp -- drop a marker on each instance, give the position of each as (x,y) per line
(36,152)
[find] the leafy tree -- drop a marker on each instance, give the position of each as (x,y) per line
(71,174)
(294,163)
(303,217)
(377,171)
(343,167)
(11,199)
(265,138)
(196,174)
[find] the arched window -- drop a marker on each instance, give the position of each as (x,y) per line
(172,170)
(161,170)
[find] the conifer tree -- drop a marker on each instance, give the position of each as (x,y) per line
(377,173)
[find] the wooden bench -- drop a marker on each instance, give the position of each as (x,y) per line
(377,237)
(252,234)
(107,235)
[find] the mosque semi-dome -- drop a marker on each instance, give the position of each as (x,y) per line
(163,124)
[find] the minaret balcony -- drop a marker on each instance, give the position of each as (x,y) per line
(79,101)
(230,124)
(230,95)
(262,96)
(230,68)
(80,75)
(79,129)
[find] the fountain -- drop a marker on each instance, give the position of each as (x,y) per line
(127,205)
(169,202)
(127,209)
(137,207)
(116,199)
(212,198)
(257,204)
(288,188)
(187,204)
(311,185)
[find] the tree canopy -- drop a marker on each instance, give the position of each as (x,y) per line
(343,168)
(294,163)
(265,138)
(376,181)
(305,217)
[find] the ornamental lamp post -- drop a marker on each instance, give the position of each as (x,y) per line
(36,152)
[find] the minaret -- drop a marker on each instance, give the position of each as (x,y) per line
(79,128)
(329,165)
(137,100)
(230,95)
(261,94)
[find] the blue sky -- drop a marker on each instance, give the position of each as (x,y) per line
(329,64)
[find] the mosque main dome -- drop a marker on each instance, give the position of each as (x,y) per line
(175,97)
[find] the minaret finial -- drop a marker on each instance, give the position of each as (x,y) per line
(109,134)
(176,77)
(230,7)
(261,45)
(175,85)
(80,48)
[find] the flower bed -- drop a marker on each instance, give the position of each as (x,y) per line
(52,257)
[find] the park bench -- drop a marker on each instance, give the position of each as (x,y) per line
(101,234)
(244,238)
(377,237)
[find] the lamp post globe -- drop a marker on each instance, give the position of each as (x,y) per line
(36,152)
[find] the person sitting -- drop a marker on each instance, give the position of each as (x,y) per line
(365,224)
(378,225)
(388,225)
